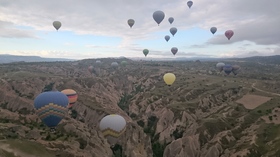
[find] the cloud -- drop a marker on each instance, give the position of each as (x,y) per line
(179,54)
(257,21)
(261,52)
(55,54)
(198,46)
(8,30)
(110,17)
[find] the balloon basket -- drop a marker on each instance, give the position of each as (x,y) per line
(52,130)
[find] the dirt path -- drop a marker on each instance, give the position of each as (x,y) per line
(253,86)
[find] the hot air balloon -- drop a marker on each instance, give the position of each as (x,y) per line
(98,62)
(229,34)
(167,37)
(112,127)
(190,3)
(169,78)
(130,22)
(213,30)
(90,69)
(72,96)
(51,107)
(114,64)
(227,69)
(123,63)
(57,25)
(173,30)
(174,50)
(235,69)
(158,16)
(170,19)
(145,52)
(220,66)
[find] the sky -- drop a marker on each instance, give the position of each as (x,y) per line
(99,28)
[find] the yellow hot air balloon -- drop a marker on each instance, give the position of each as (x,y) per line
(72,96)
(169,78)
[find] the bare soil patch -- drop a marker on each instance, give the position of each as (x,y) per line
(252,101)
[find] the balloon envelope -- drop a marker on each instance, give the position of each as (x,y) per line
(229,34)
(123,62)
(158,16)
(235,69)
(57,24)
(190,3)
(227,69)
(169,78)
(114,64)
(220,66)
(167,37)
(145,52)
(174,50)
(173,30)
(130,22)
(213,30)
(90,69)
(112,127)
(98,62)
(170,19)
(51,107)
(72,96)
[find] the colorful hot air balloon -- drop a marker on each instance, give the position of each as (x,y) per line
(145,52)
(220,66)
(130,22)
(173,30)
(174,50)
(158,16)
(51,107)
(170,19)
(235,69)
(112,127)
(57,25)
(227,69)
(169,78)
(229,34)
(72,96)
(213,30)
(167,37)
(190,3)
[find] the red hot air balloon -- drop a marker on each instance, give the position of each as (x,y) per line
(229,34)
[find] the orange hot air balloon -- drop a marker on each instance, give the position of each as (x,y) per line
(72,96)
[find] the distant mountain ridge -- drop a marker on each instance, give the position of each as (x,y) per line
(261,59)
(6,58)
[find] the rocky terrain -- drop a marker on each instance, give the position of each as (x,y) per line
(203,114)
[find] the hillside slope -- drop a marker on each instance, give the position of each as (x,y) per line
(200,115)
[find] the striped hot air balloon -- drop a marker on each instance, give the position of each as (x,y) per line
(51,107)
(72,96)
(112,127)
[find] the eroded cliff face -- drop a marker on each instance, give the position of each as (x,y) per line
(80,133)
(196,117)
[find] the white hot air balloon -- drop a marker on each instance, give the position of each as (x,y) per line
(112,127)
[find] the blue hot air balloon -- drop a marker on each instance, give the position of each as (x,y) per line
(51,107)
(227,69)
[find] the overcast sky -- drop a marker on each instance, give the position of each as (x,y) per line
(98,28)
